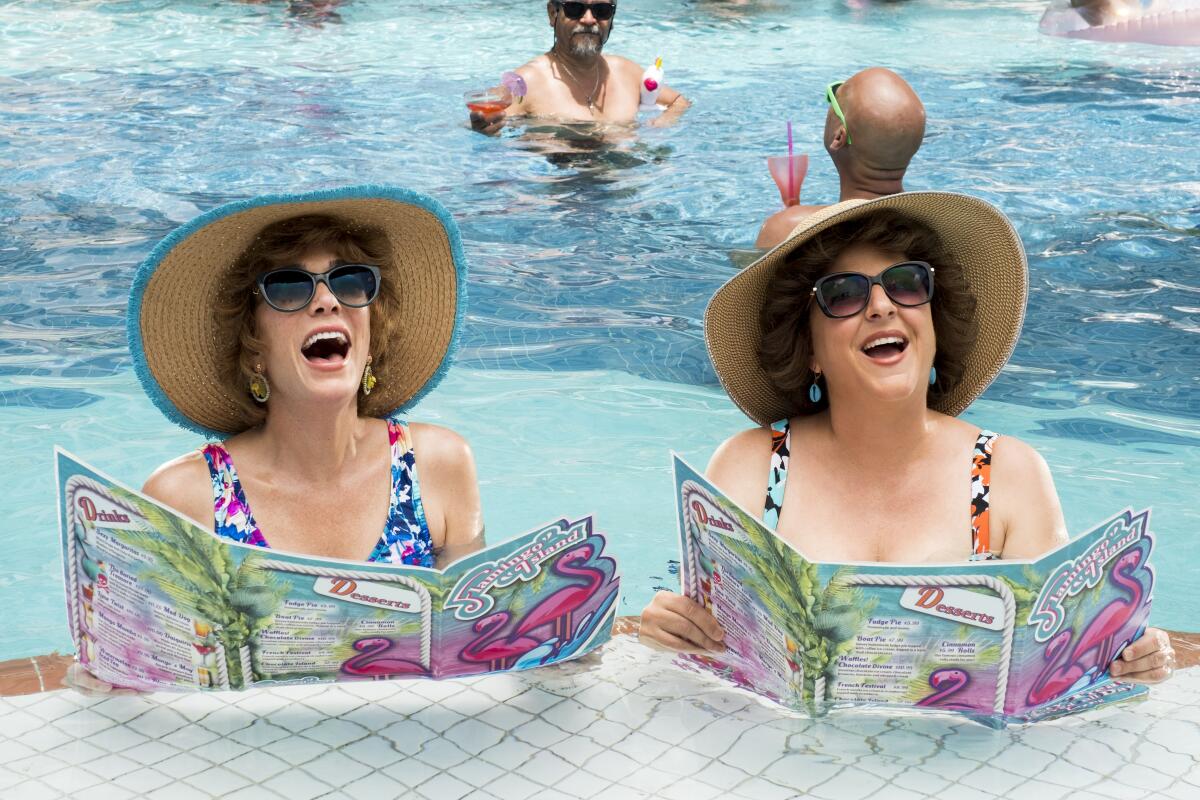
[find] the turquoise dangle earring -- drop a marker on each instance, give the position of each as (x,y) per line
(814,391)
(932,375)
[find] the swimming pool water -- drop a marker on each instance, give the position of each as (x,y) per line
(592,255)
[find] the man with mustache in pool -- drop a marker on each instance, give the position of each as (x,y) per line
(575,82)
(873,128)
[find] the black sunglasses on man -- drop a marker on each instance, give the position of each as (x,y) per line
(603,12)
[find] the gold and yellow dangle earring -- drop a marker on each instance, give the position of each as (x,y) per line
(260,389)
(368,379)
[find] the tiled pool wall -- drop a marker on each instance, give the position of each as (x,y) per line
(623,722)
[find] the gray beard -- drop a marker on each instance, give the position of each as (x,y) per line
(585,45)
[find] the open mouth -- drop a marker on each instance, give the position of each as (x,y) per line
(326,346)
(885,347)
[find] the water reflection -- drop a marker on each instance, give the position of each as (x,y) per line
(307,13)
(1101,84)
(591,247)
(594,152)
(736,9)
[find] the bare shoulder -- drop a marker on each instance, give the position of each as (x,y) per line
(742,445)
(450,490)
(438,446)
(535,71)
(1021,477)
(537,76)
(184,485)
(780,224)
(1012,457)
(1024,500)
(739,466)
(623,66)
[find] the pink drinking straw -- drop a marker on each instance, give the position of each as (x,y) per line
(791,177)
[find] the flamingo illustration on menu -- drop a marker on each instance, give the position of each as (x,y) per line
(1097,645)
(546,631)
(377,662)
(556,610)
(945,683)
(496,649)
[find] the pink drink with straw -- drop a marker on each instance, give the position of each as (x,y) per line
(788,172)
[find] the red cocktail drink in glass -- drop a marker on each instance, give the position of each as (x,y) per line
(488,101)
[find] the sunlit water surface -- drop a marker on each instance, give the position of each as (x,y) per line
(592,256)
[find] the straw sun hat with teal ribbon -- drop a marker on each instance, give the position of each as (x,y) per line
(179,344)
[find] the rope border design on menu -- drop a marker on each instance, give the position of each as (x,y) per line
(75,601)
(692,589)
(987,581)
(223,668)
(247,666)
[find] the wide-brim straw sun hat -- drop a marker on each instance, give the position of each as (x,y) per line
(178,342)
(976,235)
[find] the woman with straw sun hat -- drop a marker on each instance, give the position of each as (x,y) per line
(296,328)
(837,344)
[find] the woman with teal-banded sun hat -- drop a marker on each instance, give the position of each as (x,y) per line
(854,345)
(297,327)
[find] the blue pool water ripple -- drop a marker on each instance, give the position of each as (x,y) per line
(595,254)
(45,398)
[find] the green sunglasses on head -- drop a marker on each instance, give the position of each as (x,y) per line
(831,98)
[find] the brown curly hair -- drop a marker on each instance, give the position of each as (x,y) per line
(286,242)
(785,352)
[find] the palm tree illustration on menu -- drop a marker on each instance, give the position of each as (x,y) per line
(821,620)
(196,572)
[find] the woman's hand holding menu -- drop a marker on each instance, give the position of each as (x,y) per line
(1149,659)
(680,623)
(84,682)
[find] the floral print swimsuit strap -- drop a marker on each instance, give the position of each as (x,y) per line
(981,481)
(405,538)
(230,512)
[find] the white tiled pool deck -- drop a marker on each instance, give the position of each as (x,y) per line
(624,723)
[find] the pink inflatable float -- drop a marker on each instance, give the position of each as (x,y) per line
(1173,22)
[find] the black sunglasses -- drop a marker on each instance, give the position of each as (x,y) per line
(844,294)
(603,12)
(292,288)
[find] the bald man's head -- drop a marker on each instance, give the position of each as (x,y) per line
(885,118)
